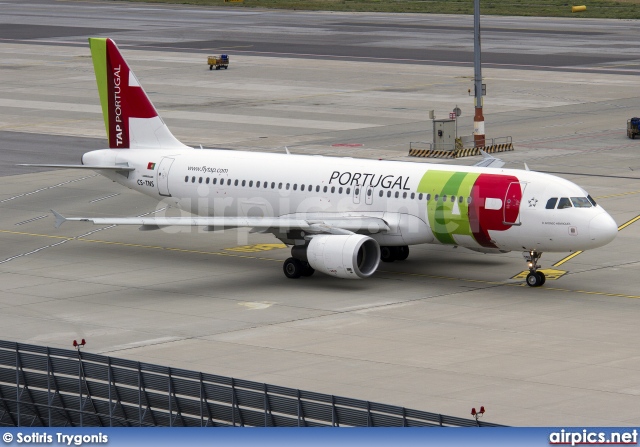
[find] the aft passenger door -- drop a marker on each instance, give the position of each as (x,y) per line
(163,176)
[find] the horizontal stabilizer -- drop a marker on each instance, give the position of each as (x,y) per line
(92,167)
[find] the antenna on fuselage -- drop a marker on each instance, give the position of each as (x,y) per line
(527,167)
(287,150)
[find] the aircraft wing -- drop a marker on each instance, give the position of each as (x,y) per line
(326,225)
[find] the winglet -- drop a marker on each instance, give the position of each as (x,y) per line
(489,161)
(60,219)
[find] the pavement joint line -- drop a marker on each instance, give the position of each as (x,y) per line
(125,244)
(47,188)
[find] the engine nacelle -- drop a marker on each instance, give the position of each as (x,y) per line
(345,256)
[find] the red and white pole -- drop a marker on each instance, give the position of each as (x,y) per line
(478,118)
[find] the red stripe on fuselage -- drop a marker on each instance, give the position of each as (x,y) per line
(481,219)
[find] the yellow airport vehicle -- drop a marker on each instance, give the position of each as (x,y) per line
(219,62)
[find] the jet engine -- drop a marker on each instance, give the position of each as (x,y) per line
(345,256)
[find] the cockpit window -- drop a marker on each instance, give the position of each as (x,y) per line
(563,203)
(551,203)
(593,202)
(581,202)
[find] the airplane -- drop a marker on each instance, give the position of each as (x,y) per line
(341,216)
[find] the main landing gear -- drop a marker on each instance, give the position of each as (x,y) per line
(534,278)
(295,268)
(390,254)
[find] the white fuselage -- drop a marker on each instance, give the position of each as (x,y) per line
(485,209)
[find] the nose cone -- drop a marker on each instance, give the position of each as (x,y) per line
(602,229)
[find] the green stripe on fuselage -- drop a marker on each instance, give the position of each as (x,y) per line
(98,48)
(447,218)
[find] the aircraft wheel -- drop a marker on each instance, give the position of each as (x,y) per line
(210,67)
(307,270)
(388,254)
(543,278)
(534,279)
(292,268)
(403,253)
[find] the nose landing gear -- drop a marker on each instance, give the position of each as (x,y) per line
(534,278)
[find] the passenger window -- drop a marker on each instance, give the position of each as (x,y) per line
(250,183)
(333,189)
(207,182)
(413,195)
(593,202)
(381,193)
(229,182)
(397,194)
(469,200)
(551,203)
(288,186)
(295,186)
(324,189)
(420,196)
(257,184)
(460,199)
(193,179)
(356,191)
(369,192)
(581,202)
(279,185)
(186,179)
(301,187)
(388,193)
(436,197)
(428,197)
(349,191)
(444,197)
(215,180)
(273,185)
(318,188)
(404,195)
(563,203)
(244,182)
(200,180)
(340,190)
(453,199)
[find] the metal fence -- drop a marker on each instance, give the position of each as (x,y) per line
(42,386)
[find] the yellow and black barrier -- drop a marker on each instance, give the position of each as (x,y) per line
(457,153)
(431,153)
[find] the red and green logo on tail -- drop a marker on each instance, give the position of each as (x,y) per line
(121,95)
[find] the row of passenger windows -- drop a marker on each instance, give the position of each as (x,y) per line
(325,189)
(569,202)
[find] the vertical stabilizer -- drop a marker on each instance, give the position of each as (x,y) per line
(130,119)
